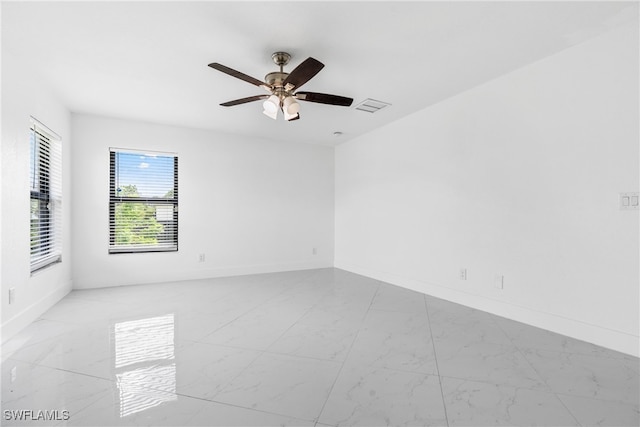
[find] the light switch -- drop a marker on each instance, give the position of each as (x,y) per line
(629,201)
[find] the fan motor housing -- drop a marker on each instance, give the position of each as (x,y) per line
(276,78)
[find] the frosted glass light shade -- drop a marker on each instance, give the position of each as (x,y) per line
(288,117)
(271,104)
(290,105)
(273,114)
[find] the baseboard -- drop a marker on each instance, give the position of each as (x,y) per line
(251,269)
(21,320)
(208,273)
(605,337)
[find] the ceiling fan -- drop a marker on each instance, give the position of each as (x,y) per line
(283,87)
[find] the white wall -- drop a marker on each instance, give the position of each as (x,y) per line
(518,177)
(25,95)
(250,206)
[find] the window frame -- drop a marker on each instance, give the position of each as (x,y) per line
(46,173)
(114,200)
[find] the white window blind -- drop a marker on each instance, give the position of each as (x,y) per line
(143,202)
(45,182)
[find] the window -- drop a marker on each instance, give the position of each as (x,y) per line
(45,188)
(143,202)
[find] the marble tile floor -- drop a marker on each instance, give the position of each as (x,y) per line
(309,348)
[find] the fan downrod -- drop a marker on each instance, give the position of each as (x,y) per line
(276,78)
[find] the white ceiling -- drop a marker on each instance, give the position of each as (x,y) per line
(148,60)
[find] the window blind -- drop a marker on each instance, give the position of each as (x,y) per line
(45,182)
(143,201)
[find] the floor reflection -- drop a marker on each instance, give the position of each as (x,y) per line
(145,365)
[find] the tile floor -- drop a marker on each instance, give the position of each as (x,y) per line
(310,348)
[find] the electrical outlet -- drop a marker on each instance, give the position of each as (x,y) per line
(499,281)
(12,295)
(201,258)
(463,274)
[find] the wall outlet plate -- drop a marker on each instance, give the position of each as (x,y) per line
(499,281)
(629,201)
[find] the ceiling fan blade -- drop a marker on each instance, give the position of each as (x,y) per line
(237,74)
(303,72)
(324,98)
(244,100)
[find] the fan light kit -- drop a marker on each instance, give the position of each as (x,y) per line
(282,87)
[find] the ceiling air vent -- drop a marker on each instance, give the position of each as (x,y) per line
(371,105)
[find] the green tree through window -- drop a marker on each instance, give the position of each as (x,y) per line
(143,206)
(138,221)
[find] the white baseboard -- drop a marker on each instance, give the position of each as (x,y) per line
(207,273)
(605,337)
(21,320)
(260,269)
